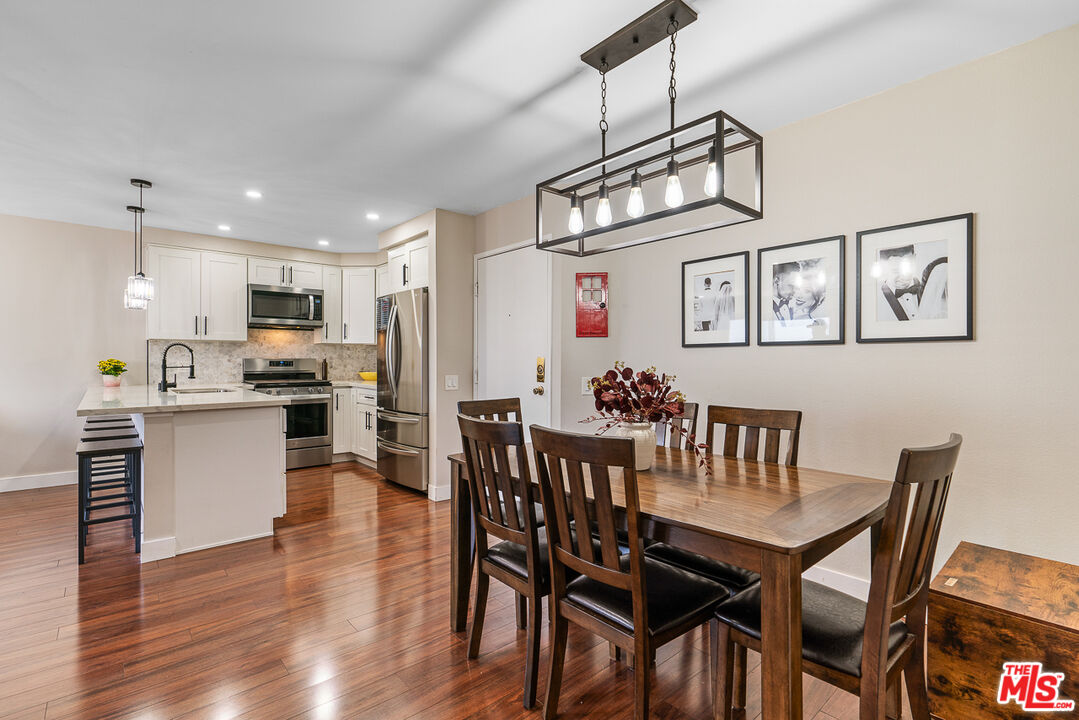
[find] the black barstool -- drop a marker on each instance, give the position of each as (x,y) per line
(110,475)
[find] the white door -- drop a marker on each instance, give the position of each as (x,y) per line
(331,306)
(396,263)
(174,313)
(513,330)
(382,281)
(358,305)
(266,271)
(417,264)
(305,275)
(224,297)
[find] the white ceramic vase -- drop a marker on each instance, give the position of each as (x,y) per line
(111,380)
(644,442)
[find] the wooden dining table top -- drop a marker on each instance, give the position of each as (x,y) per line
(775,507)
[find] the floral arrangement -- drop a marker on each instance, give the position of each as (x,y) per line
(112,366)
(622,397)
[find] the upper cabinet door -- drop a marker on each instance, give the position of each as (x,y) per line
(382,281)
(174,313)
(266,271)
(417,264)
(358,305)
(397,268)
(305,275)
(331,306)
(224,297)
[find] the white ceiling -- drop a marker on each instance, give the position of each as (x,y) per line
(334,108)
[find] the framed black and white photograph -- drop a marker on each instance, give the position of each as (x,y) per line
(715,301)
(916,281)
(800,293)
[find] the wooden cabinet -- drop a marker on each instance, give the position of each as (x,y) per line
(268,271)
(358,305)
(363,423)
(331,330)
(175,312)
(342,420)
(988,607)
(223,297)
(407,265)
(382,280)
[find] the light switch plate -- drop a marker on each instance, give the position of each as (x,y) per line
(451,382)
(585,390)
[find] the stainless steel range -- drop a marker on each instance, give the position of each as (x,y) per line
(309,417)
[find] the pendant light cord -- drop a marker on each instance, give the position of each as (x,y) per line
(138,232)
(672,90)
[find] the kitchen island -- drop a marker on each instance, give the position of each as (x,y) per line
(213,463)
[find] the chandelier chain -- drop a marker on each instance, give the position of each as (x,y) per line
(603,108)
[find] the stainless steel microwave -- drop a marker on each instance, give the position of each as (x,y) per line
(287,308)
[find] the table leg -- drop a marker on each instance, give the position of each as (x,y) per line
(461,534)
(781,636)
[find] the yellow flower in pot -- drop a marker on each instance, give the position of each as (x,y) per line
(111,370)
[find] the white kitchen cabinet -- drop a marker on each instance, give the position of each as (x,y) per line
(331,330)
(223,297)
(382,280)
(363,423)
(268,271)
(407,265)
(358,305)
(174,313)
(343,409)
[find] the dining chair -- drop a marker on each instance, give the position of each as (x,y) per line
(637,603)
(857,646)
(505,409)
(688,420)
(500,487)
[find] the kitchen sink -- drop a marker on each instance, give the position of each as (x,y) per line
(193,391)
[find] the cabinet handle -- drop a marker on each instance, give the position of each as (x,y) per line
(337,402)
(290,276)
(282,274)
(196,324)
(404,277)
(205,324)
(346,331)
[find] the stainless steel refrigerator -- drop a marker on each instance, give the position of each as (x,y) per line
(401,322)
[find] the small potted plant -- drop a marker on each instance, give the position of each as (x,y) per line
(111,370)
(637,403)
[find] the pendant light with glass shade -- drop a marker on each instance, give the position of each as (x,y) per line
(140,289)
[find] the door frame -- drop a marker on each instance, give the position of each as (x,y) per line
(554,382)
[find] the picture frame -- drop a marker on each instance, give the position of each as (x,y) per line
(916,281)
(801,296)
(715,301)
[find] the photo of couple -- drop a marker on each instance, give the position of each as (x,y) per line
(713,301)
(913,281)
(799,289)
(801,292)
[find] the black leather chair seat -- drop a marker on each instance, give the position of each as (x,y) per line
(832,625)
(511,556)
(674,596)
(723,573)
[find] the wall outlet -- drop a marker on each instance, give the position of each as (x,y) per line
(452,382)
(585,390)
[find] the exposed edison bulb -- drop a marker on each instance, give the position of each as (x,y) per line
(603,207)
(674,196)
(711,175)
(635,205)
(576,219)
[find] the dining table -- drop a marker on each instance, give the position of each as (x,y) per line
(776,520)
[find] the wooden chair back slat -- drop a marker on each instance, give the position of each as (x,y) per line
(773,422)
(560,462)
(500,487)
(903,559)
(502,409)
(688,420)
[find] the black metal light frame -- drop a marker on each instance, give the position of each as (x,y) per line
(583,179)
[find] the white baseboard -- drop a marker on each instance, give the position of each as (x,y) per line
(30,482)
(157,549)
(438,493)
(849,584)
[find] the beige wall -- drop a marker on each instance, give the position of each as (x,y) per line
(64,311)
(996,137)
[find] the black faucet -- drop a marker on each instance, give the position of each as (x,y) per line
(164,385)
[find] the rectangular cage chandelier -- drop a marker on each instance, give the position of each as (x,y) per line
(697,176)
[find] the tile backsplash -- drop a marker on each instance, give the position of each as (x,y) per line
(222,362)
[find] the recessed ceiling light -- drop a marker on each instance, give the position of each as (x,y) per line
(253,194)
(323,242)
(224,228)
(372,216)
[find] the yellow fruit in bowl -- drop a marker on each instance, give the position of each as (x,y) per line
(369,375)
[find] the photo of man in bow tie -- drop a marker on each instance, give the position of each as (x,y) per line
(913,281)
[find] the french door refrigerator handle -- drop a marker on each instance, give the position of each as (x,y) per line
(391,355)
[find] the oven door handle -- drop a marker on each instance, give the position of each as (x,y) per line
(396,450)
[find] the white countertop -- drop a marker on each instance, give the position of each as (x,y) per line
(371,384)
(145,400)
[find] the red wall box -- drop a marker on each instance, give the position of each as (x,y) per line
(592,304)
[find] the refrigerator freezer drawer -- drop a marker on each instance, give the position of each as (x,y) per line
(402,429)
(403,465)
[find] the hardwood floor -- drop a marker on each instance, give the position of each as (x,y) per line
(344,613)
